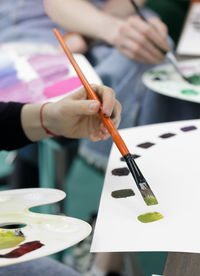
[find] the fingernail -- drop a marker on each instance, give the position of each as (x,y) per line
(106,114)
(93,105)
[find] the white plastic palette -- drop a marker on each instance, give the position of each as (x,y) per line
(171,167)
(54,232)
(173,85)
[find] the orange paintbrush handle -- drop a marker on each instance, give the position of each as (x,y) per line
(107,121)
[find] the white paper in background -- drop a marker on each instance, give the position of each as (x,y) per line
(172,169)
(172,84)
(190,38)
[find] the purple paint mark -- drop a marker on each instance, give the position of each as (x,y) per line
(121,171)
(62,87)
(23,249)
(8,70)
(167,135)
(145,145)
(189,128)
(135,156)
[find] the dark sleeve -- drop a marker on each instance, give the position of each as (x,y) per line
(11,135)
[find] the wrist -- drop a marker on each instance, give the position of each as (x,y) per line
(110,29)
(46,119)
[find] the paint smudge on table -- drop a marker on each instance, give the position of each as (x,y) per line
(146,145)
(189,92)
(135,156)
(122,193)
(9,239)
(150,217)
(121,171)
(23,249)
(167,135)
(188,128)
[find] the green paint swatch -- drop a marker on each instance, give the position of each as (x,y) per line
(9,239)
(189,92)
(122,193)
(194,79)
(150,217)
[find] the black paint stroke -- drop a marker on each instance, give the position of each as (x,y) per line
(146,145)
(167,135)
(135,156)
(121,171)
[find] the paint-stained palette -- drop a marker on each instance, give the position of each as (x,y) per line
(171,167)
(28,73)
(165,80)
(25,235)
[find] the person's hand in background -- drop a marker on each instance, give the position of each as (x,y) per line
(136,39)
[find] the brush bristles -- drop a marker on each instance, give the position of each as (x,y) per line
(149,197)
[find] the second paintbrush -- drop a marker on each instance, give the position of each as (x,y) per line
(141,182)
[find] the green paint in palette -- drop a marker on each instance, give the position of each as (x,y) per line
(189,92)
(150,217)
(194,79)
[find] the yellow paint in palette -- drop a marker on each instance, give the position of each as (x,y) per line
(9,239)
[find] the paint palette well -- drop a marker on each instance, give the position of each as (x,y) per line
(33,75)
(165,80)
(171,167)
(41,234)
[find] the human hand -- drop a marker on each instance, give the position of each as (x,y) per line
(76,116)
(138,39)
(75,42)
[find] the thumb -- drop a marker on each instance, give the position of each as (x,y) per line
(84,107)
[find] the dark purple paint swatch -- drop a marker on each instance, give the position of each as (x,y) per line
(145,145)
(167,135)
(189,128)
(135,156)
(23,249)
(121,171)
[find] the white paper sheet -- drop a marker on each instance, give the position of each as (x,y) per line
(190,38)
(172,169)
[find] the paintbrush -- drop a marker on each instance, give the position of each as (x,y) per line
(141,182)
(169,55)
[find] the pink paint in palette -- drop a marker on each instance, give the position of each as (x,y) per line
(62,87)
(52,78)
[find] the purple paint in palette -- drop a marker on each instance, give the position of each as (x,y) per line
(188,128)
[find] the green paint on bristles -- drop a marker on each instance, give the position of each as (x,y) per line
(150,200)
(150,217)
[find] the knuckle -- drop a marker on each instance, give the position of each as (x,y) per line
(146,30)
(137,49)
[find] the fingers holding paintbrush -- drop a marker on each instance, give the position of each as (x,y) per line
(154,33)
